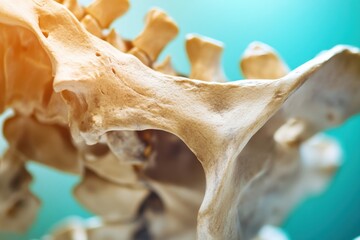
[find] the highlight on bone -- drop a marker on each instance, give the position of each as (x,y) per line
(162,156)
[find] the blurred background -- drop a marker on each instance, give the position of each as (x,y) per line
(298,30)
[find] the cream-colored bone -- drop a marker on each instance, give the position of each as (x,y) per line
(323,154)
(159,26)
(260,61)
(114,39)
(165,67)
(92,26)
(106,11)
(75,8)
(205,58)
(292,133)
(109,91)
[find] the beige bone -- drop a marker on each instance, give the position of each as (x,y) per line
(260,61)
(110,200)
(92,26)
(106,11)
(205,58)
(215,130)
(75,8)
(159,26)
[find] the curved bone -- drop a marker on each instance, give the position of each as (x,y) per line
(130,93)
(205,58)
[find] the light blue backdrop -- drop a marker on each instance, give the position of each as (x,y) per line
(298,29)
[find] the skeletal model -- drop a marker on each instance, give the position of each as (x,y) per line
(161,156)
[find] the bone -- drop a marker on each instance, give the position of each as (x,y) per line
(205,58)
(285,161)
(92,26)
(158,25)
(14,178)
(53,111)
(165,67)
(107,91)
(290,178)
(112,231)
(44,143)
(21,215)
(110,200)
(260,61)
(114,39)
(109,167)
(323,154)
(69,230)
(292,133)
(178,220)
(106,11)
(181,197)
(93,229)
(23,96)
(75,8)
(128,146)
(18,206)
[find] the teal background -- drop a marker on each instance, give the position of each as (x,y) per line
(298,30)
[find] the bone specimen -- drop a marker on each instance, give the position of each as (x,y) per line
(163,156)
